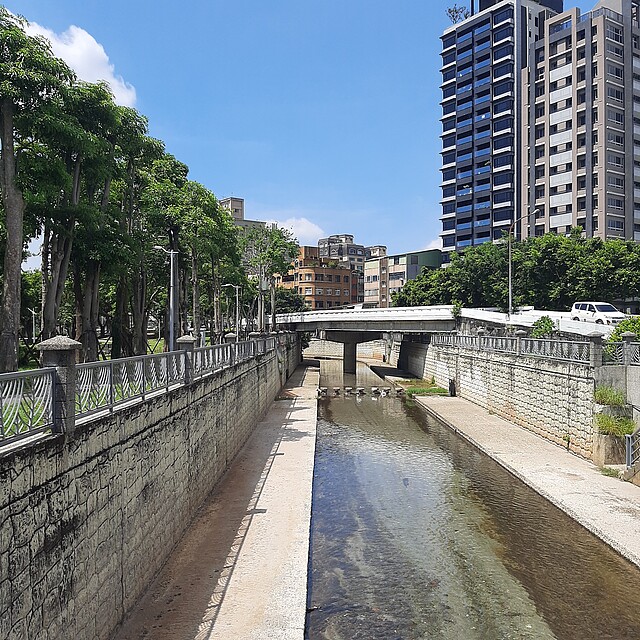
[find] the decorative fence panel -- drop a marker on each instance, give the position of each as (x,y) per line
(621,353)
(26,404)
(556,349)
(553,349)
(26,398)
(106,384)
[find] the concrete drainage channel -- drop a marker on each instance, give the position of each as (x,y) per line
(416,533)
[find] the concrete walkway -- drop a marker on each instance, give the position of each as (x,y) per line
(608,507)
(240,572)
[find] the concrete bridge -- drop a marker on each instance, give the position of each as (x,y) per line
(353,326)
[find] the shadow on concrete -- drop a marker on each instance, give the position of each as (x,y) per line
(185,599)
(394,372)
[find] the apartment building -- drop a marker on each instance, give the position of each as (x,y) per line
(325,284)
(386,274)
(581,142)
(482,59)
(342,249)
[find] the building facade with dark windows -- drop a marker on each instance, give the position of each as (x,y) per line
(581,139)
(482,57)
(325,284)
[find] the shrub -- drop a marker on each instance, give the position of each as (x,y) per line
(543,327)
(609,471)
(615,425)
(609,396)
(630,324)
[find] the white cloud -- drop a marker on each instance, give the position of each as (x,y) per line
(87,57)
(434,244)
(307,232)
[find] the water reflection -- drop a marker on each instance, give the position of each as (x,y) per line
(416,534)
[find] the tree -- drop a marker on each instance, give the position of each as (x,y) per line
(457,14)
(549,272)
(289,301)
(267,251)
(30,77)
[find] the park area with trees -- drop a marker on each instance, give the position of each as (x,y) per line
(108,202)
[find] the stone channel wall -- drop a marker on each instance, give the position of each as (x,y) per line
(551,398)
(87,520)
(375,349)
(328,349)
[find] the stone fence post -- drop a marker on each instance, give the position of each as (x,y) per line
(187,344)
(627,338)
(595,339)
(60,352)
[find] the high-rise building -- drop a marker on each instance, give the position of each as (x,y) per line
(482,57)
(581,142)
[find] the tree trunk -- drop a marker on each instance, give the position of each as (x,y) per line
(139,311)
(13,203)
(55,265)
(89,312)
(117,326)
(272,286)
(195,302)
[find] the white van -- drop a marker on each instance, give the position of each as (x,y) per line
(600,312)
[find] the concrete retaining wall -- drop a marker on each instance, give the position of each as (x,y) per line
(374,350)
(327,349)
(552,398)
(87,521)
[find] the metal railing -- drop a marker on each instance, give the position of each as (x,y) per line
(556,349)
(633,448)
(27,397)
(621,353)
(553,349)
(504,344)
(104,385)
(209,359)
(26,404)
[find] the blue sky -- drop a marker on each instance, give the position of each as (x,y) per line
(324,115)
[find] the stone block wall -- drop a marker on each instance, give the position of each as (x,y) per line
(551,398)
(375,349)
(87,521)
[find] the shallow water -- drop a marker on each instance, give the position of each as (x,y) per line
(416,534)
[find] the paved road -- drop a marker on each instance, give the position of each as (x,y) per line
(240,572)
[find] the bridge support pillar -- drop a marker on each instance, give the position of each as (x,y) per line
(349,357)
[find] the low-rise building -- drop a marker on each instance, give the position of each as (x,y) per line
(325,284)
(386,275)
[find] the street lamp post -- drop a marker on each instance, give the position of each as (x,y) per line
(237,288)
(511,229)
(171,253)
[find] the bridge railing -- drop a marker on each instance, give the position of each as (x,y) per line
(31,402)
(440,312)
